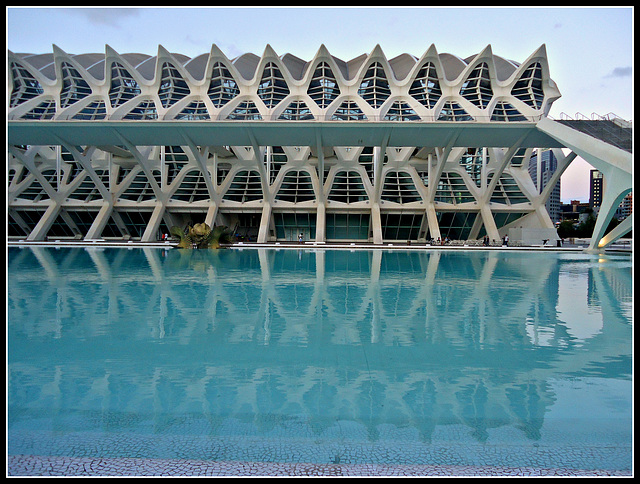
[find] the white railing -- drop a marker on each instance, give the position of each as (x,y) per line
(624,123)
(323,118)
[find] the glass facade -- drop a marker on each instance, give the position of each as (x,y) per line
(348,226)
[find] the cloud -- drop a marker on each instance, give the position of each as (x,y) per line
(620,72)
(111,17)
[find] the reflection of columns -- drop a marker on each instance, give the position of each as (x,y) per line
(317,298)
(481,295)
(320,265)
(373,293)
(429,284)
(265,269)
(46,262)
(606,295)
(152,256)
(266,288)
(100,261)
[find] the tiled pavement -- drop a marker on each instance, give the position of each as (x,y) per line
(28,465)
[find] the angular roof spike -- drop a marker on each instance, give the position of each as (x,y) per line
(57,50)
(378,52)
(486,52)
(322,51)
(269,51)
(540,51)
(110,51)
(217,52)
(431,51)
(162,51)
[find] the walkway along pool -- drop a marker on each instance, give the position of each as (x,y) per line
(364,361)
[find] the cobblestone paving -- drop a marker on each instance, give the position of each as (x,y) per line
(28,465)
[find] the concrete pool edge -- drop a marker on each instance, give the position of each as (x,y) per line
(306,246)
(33,465)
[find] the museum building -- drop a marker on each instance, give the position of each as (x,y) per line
(125,146)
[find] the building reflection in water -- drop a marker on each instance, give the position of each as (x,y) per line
(309,339)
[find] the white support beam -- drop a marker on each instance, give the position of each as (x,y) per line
(151,230)
(29,162)
(99,223)
(614,164)
(201,161)
(144,164)
(84,159)
(39,232)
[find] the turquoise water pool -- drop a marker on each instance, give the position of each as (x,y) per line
(453,358)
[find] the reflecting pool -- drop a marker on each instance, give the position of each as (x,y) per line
(434,357)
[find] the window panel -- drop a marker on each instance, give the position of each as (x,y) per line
(426,87)
(272,88)
(223,87)
(374,87)
(123,86)
(74,87)
(172,86)
(25,86)
(323,88)
(477,87)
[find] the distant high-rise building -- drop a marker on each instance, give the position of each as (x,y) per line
(596,191)
(542,166)
(625,208)
(596,186)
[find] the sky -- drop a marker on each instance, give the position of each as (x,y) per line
(590,49)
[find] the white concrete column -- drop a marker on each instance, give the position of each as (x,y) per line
(265,221)
(432,219)
(95,231)
(489,222)
(151,230)
(615,165)
(610,202)
(321,223)
(39,232)
(376,224)
(212,213)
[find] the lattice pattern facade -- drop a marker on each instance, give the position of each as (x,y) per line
(119,191)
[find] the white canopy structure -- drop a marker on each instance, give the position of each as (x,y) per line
(370,149)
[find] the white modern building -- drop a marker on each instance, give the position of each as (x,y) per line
(369,149)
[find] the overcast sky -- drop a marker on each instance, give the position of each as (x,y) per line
(590,50)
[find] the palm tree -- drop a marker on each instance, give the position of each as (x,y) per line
(201,236)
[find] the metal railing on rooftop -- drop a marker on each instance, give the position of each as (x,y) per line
(596,117)
(609,128)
